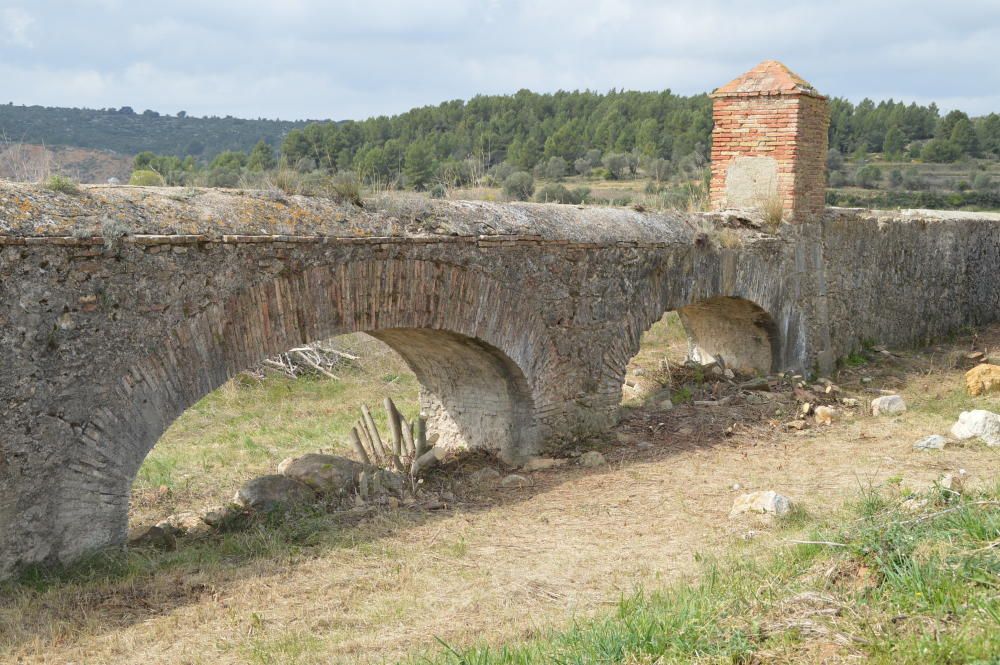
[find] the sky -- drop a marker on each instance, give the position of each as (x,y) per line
(307,59)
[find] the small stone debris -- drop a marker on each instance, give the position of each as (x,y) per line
(932,442)
(592,458)
(980,424)
(849,402)
(765,503)
(954,481)
(187,523)
(644,445)
(542,463)
(729,374)
(220,516)
(888,405)
(666,405)
(796,425)
(515,480)
(825,415)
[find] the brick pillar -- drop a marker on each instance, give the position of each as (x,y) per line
(770,140)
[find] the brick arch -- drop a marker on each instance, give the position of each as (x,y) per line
(480,351)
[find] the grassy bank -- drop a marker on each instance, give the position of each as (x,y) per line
(880,583)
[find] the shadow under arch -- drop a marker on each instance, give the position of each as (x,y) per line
(734,330)
(478,349)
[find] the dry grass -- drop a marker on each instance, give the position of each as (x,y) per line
(499,564)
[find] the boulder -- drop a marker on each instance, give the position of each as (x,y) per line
(272,492)
(592,458)
(932,442)
(983,380)
(764,503)
(326,474)
(515,480)
(888,405)
(978,423)
(542,463)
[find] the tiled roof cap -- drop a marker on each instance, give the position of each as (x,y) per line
(768,78)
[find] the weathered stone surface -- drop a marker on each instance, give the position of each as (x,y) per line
(221,517)
(767,502)
(932,442)
(888,405)
(592,458)
(273,492)
(326,474)
(980,424)
(518,319)
(982,380)
(824,415)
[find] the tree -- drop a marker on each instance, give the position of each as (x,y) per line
(418,166)
(834,160)
(894,144)
(519,186)
(262,157)
(616,163)
(964,136)
(940,151)
(556,168)
(895,178)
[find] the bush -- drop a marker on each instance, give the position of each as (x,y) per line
(912,180)
(940,151)
(146,178)
(519,186)
(868,176)
(556,168)
(346,188)
(895,178)
(438,191)
(982,182)
(62,184)
(560,194)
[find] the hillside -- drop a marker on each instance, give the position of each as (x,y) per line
(127,132)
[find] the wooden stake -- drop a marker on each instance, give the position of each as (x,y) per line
(395,428)
(411,448)
(358,447)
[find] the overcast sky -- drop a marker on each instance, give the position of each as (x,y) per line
(340,59)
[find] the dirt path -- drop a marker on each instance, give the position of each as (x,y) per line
(507,562)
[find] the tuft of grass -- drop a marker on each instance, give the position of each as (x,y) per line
(879,584)
(773,210)
(62,184)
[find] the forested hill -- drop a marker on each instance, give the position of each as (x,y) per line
(127,132)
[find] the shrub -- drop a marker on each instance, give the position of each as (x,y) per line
(556,168)
(519,186)
(895,178)
(940,151)
(868,176)
(346,188)
(982,182)
(62,184)
(438,191)
(560,194)
(146,178)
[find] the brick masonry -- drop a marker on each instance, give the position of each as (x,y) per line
(769,139)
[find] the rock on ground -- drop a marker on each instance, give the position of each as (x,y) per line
(932,442)
(769,502)
(824,415)
(159,537)
(515,480)
(983,380)
(380,483)
(888,405)
(187,523)
(978,423)
(542,463)
(326,474)
(485,475)
(592,458)
(220,516)
(271,492)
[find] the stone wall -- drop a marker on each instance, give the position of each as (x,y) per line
(518,320)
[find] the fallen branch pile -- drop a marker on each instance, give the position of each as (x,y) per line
(406,452)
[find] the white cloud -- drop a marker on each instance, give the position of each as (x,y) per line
(15,26)
(354,58)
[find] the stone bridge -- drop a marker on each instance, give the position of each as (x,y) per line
(120,307)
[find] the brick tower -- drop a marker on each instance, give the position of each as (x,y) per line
(769,143)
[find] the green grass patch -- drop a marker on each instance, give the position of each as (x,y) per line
(881,584)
